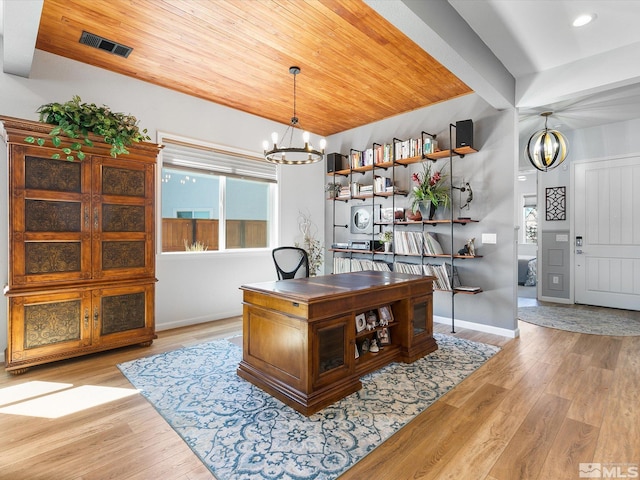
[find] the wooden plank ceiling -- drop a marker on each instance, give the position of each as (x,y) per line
(356,68)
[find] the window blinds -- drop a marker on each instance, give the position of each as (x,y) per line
(217,161)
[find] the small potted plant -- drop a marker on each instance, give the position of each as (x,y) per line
(333,189)
(429,192)
(386,237)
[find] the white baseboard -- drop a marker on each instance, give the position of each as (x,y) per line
(479,327)
(185,322)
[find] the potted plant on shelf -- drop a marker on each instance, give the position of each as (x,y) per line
(386,237)
(429,192)
(333,189)
(76,120)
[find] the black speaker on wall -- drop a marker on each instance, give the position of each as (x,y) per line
(335,162)
(464,133)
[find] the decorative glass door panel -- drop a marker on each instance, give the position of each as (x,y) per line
(53,175)
(50,220)
(123,234)
(119,311)
(422,309)
(118,255)
(122,312)
(330,350)
(331,343)
(49,323)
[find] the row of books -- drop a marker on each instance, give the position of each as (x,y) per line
(345,264)
(380,185)
(441,272)
(416,243)
(389,152)
(344,192)
(371,156)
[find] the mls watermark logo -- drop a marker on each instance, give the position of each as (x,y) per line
(608,470)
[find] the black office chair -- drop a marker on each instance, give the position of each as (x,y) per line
(291,262)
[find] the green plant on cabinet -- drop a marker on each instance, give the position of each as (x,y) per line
(76,120)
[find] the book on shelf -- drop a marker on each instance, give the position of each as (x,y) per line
(417,243)
(382,184)
(408,148)
(465,288)
(441,272)
(379,154)
(368,157)
(356,159)
(432,246)
(430,145)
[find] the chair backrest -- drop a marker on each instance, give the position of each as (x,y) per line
(290,262)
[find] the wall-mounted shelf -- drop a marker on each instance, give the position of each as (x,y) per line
(413,244)
(440,154)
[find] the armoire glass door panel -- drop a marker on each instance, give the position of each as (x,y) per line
(49,323)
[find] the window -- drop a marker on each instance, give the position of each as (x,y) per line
(214,198)
(530,219)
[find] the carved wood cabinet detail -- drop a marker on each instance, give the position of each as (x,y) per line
(81,249)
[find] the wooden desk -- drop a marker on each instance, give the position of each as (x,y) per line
(299,336)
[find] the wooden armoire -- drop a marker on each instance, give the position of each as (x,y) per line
(81,248)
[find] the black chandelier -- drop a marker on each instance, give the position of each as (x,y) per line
(286,154)
(547,148)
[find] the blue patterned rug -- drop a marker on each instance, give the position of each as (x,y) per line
(240,432)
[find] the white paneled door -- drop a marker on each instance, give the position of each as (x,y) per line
(607,225)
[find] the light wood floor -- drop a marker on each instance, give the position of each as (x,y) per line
(547,402)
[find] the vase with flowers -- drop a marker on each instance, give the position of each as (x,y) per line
(429,191)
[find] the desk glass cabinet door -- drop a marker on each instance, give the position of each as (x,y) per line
(421,311)
(330,350)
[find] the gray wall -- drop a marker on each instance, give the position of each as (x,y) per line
(491,173)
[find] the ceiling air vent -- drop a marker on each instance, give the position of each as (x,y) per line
(103,44)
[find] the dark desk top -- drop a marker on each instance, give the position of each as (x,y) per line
(317,288)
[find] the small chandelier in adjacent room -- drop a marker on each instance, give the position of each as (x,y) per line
(547,148)
(284,153)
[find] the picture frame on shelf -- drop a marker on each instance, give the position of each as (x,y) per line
(361,322)
(385,315)
(363,219)
(372,319)
(384,336)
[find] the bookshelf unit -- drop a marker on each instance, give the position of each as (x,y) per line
(411,236)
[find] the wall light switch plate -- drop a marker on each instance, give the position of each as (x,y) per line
(488,238)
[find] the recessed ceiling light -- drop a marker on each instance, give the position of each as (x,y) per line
(522,178)
(584,19)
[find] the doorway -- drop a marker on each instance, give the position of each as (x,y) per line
(607,232)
